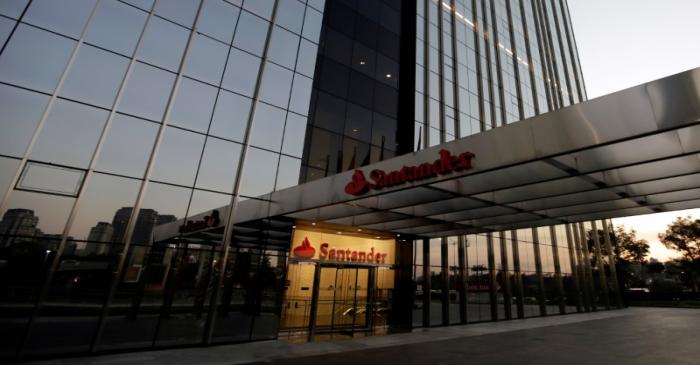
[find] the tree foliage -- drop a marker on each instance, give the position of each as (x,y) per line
(683,235)
(628,247)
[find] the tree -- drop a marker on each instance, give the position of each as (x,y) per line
(683,235)
(626,246)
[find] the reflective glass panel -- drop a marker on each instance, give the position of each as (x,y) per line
(181,11)
(127,146)
(95,77)
(21,111)
(177,158)
(193,105)
(276,83)
(259,172)
(206,60)
(35,58)
(251,33)
(116,26)
(294,135)
(241,72)
(163,44)
(230,116)
(288,172)
(268,126)
(283,47)
(65,17)
(70,134)
(147,92)
(218,20)
(219,165)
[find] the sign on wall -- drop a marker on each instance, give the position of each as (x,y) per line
(313,245)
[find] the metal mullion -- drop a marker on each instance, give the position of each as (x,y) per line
(463,279)
(541,298)
(560,42)
(549,36)
(507,293)
(455,72)
(488,40)
(441,71)
(426,75)
(149,167)
(500,85)
(517,274)
(581,267)
(587,267)
(228,225)
(43,292)
(557,270)
(528,51)
(601,266)
(545,56)
(17,21)
(574,268)
(477,60)
(491,260)
(612,264)
(573,50)
(514,57)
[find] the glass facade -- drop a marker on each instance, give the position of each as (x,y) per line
(121,117)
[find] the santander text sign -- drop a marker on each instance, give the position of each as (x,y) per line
(446,164)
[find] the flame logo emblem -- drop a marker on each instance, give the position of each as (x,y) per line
(305,250)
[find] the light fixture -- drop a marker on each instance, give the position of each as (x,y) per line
(398,235)
(293,227)
(377,237)
(362,62)
(339,232)
(355,130)
(313,223)
(388,76)
(359,229)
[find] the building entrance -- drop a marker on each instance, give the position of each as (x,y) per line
(344,303)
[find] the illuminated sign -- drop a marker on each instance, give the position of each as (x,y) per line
(447,163)
(345,253)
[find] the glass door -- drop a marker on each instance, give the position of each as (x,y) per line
(343,299)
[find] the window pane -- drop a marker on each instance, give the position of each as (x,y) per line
(116,26)
(276,83)
(241,72)
(290,14)
(95,77)
(294,135)
(127,146)
(13,9)
(178,156)
(204,202)
(163,44)
(250,33)
(35,58)
(21,111)
(66,17)
(230,116)
(260,7)
(218,20)
(147,92)
(206,60)
(51,179)
(306,61)
(268,125)
(301,94)
(193,105)
(8,168)
(6,26)
(219,165)
(283,47)
(70,134)
(103,196)
(181,11)
(312,25)
(162,204)
(288,174)
(47,214)
(259,172)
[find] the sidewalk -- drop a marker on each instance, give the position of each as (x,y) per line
(277,350)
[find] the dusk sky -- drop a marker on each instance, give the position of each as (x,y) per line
(623,43)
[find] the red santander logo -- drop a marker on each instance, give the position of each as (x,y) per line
(305,250)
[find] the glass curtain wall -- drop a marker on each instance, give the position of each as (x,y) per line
(522,273)
(119,117)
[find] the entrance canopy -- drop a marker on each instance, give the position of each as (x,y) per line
(633,152)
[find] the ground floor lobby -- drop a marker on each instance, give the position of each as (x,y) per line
(628,336)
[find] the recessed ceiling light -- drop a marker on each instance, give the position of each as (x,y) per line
(339,232)
(359,229)
(377,237)
(294,227)
(388,76)
(355,130)
(313,223)
(362,62)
